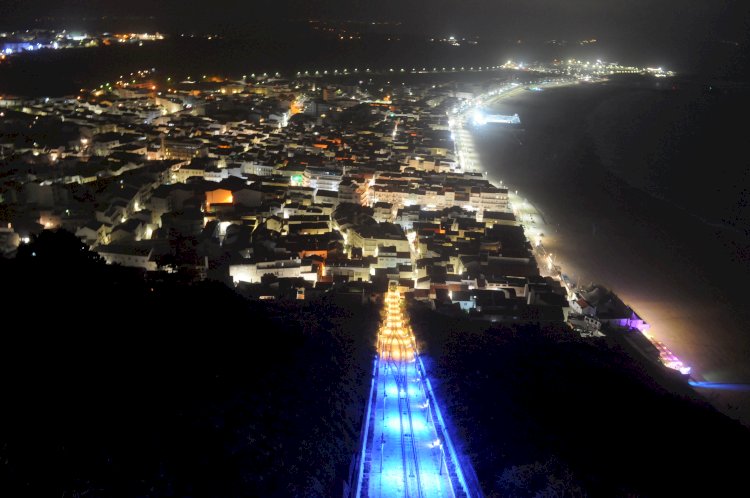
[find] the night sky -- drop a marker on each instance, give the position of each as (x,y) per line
(653,21)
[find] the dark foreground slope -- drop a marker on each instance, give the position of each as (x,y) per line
(541,411)
(112,387)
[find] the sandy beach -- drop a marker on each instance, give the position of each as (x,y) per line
(682,275)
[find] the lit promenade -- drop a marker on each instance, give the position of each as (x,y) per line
(407,452)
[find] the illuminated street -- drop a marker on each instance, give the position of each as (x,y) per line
(407,450)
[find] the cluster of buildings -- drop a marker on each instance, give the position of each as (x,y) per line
(586,69)
(18,42)
(456,42)
(278,187)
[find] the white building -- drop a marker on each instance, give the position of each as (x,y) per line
(369,237)
(127,255)
(323,179)
(285,268)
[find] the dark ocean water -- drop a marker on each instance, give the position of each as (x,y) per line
(645,188)
(296,46)
(63,72)
(685,145)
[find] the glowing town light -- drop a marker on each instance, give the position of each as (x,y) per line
(479,118)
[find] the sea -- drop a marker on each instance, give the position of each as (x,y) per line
(183,55)
(645,187)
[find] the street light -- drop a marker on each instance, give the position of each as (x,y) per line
(439,444)
(382,443)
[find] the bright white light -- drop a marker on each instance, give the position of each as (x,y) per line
(479,118)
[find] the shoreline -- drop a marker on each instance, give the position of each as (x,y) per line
(666,323)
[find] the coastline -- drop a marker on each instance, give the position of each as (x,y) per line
(676,312)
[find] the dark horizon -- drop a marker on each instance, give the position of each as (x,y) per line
(536,18)
(700,35)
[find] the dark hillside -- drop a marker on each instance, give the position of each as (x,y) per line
(113,386)
(542,411)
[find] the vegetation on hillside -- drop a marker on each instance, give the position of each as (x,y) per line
(542,412)
(116,385)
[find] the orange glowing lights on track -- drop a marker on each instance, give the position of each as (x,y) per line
(395,339)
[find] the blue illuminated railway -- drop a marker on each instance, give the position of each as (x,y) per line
(406,449)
